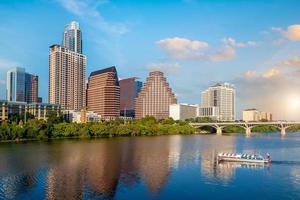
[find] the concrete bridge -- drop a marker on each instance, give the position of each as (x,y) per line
(281,125)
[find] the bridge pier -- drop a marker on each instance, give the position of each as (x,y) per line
(219,130)
(283,131)
(248,131)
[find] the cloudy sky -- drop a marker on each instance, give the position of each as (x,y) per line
(252,44)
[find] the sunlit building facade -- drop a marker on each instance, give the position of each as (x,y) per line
(183,111)
(67,71)
(155,97)
(103,93)
(221,96)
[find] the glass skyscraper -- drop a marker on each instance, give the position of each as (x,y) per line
(72,37)
(21,86)
(16,84)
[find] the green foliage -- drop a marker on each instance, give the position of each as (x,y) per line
(55,128)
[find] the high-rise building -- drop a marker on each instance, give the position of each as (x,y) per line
(72,37)
(15,85)
(21,86)
(155,97)
(31,88)
(221,96)
(67,78)
(130,88)
(103,93)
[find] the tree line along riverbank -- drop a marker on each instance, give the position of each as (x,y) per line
(56,127)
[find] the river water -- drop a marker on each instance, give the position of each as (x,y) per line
(163,167)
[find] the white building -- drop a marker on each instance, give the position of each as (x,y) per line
(81,116)
(183,111)
(253,115)
(221,96)
(210,111)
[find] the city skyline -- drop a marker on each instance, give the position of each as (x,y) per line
(213,46)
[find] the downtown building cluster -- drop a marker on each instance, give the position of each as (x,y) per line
(102,95)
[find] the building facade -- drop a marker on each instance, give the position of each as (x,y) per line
(31,88)
(253,115)
(15,85)
(223,97)
(21,86)
(38,110)
(155,97)
(72,37)
(103,93)
(183,111)
(129,90)
(210,111)
(67,71)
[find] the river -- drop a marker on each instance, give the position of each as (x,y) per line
(160,167)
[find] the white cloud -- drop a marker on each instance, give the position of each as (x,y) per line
(183,48)
(271,73)
(87,11)
(293,32)
(231,42)
(169,68)
(293,62)
(250,74)
(223,54)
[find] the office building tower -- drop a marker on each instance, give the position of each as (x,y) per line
(15,85)
(21,86)
(72,37)
(67,71)
(31,88)
(129,90)
(221,96)
(155,97)
(103,93)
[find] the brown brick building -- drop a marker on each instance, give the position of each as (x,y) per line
(103,93)
(130,88)
(155,98)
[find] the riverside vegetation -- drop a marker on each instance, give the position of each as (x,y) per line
(56,127)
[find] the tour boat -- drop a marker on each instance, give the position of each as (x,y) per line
(238,157)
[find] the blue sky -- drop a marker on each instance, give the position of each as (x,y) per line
(252,44)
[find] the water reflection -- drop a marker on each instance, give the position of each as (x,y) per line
(87,169)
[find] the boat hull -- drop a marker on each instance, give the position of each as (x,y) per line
(242,160)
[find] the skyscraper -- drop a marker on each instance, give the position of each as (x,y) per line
(221,96)
(16,84)
(31,88)
(130,88)
(67,78)
(155,97)
(21,86)
(72,37)
(103,93)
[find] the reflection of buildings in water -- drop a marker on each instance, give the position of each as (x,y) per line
(65,176)
(76,166)
(175,150)
(103,168)
(209,165)
(19,171)
(153,161)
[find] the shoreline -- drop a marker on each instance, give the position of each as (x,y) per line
(116,136)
